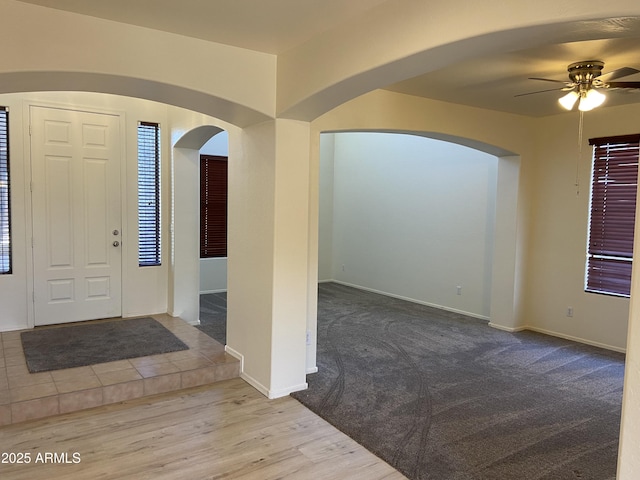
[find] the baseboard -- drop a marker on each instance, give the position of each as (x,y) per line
(255,384)
(243,375)
(558,335)
(283,392)
(237,355)
(507,329)
(259,386)
(412,300)
(12,327)
(576,339)
(312,370)
(482,317)
(271,394)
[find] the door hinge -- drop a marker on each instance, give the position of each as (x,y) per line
(29,129)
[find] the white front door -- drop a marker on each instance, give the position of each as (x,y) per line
(75,171)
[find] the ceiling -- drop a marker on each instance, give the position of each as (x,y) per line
(494,81)
(276,26)
(270,26)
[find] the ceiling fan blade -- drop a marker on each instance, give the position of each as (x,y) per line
(540,91)
(618,73)
(548,80)
(624,84)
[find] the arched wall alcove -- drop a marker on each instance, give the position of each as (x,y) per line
(184,293)
(353,180)
(503,136)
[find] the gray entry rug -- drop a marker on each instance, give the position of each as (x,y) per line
(442,396)
(63,347)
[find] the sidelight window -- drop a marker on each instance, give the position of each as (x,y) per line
(5,194)
(149,253)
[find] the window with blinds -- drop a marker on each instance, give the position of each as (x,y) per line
(213,206)
(148,194)
(612,216)
(5,194)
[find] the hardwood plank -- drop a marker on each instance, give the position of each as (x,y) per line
(227,430)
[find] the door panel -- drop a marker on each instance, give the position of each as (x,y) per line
(76,210)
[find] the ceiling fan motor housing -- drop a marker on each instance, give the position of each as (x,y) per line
(584,73)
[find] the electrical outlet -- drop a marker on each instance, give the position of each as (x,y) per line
(569,311)
(458,290)
(308,337)
(343,267)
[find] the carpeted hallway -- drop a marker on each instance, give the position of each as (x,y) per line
(213,316)
(441,396)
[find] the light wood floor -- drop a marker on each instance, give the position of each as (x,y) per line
(227,430)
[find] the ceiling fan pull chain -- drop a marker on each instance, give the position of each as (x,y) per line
(580,127)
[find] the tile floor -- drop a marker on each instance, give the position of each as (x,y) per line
(26,396)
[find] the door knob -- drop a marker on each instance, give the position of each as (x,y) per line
(116,243)
(116,232)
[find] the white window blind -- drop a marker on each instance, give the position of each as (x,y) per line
(149,253)
(5,194)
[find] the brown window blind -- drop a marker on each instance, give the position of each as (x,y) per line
(612,216)
(213,206)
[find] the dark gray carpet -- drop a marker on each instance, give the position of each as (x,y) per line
(442,396)
(79,345)
(213,316)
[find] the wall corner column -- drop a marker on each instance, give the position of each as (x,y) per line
(268,249)
(184,271)
(505,282)
(628,459)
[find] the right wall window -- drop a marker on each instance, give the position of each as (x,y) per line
(213,206)
(614,183)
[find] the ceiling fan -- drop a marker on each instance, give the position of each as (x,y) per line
(585,79)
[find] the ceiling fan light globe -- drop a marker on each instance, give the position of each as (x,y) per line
(591,100)
(569,100)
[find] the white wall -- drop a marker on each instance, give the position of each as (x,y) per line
(412,217)
(559,220)
(325,210)
(217,145)
(213,271)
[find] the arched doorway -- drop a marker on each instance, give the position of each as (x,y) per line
(186,264)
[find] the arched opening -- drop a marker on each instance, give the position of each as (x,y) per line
(190,274)
(387,239)
(408,216)
(214,157)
